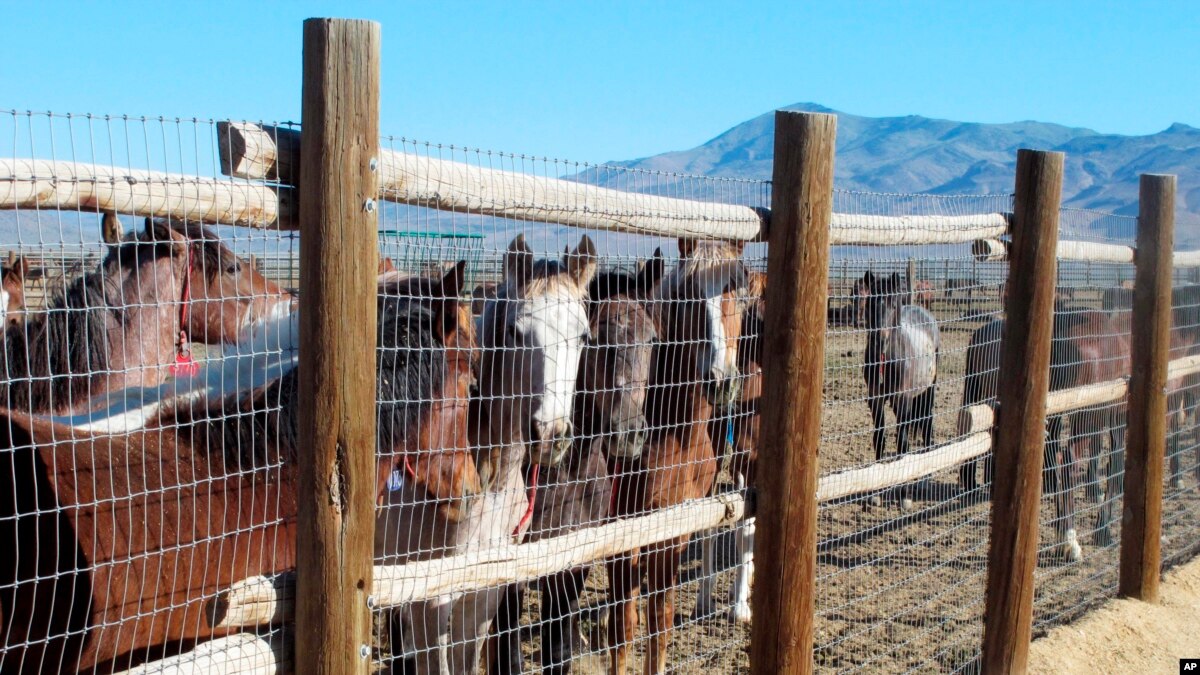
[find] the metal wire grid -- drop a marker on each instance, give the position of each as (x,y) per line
(565,616)
(904,589)
(118,533)
(1091,344)
(900,587)
(1181,493)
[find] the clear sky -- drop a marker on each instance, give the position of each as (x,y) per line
(618,80)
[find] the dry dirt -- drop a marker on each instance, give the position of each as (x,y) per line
(1128,636)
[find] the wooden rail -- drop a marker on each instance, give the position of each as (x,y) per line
(72,186)
(253,151)
(996,250)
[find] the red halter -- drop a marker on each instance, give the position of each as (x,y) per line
(533,481)
(185,365)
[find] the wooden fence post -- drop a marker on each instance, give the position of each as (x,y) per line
(336,421)
(1146,435)
(1021,427)
(793,373)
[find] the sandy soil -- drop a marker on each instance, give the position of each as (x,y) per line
(1127,636)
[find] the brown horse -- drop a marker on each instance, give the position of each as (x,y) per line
(126,323)
(115,547)
(610,424)
(693,368)
(532,335)
(741,427)
(1088,347)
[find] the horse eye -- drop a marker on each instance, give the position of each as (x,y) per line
(233,269)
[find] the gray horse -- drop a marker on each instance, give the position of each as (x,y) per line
(900,366)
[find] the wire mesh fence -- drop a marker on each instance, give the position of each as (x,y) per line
(593,392)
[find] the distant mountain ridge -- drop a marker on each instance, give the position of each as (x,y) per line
(914,154)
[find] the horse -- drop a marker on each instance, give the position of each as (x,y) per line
(12,292)
(1182,393)
(900,367)
(1087,347)
(610,423)
(116,547)
(131,321)
(693,368)
(923,293)
(742,428)
(532,336)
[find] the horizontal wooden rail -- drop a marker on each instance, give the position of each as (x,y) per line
(1186,259)
(907,468)
(242,653)
(70,186)
(996,250)
(252,151)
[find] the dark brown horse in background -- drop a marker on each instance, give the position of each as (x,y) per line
(114,548)
(1088,347)
(12,291)
(122,325)
(900,367)
(693,367)
(610,425)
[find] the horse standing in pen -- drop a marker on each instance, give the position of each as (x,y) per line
(132,320)
(210,485)
(1087,347)
(742,422)
(12,292)
(610,425)
(693,369)
(532,336)
(900,367)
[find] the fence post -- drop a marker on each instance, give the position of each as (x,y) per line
(793,373)
(1021,427)
(336,421)
(1147,429)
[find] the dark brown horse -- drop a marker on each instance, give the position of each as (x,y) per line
(693,367)
(900,367)
(1088,347)
(114,547)
(610,423)
(125,324)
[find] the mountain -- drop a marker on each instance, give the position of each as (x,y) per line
(900,155)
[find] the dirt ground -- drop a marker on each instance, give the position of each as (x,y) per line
(1127,635)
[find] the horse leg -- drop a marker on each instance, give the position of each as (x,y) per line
(624,584)
(504,644)
(560,604)
(469,623)
(1175,421)
(739,610)
(1085,434)
(925,414)
(1058,473)
(1116,477)
(430,636)
(708,571)
(904,408)
(878,437)
(663,566)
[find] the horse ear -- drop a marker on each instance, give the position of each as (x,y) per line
(686,246)
(651,272)
(581,263)
(111,229)
(518,261)
(20,269)
(454,280)
(869,278)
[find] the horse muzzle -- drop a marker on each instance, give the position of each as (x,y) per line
(550,443)
(627,443)
(724,392)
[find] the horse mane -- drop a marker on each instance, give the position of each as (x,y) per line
(52,358)
(259,428)
(704,255)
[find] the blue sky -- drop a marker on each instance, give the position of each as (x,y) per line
(618,80)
